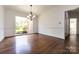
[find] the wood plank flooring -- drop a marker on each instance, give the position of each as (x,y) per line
(32,44)
(72,44)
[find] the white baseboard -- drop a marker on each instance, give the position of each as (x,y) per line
(1,38)
(53,36)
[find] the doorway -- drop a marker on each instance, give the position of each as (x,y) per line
(70,23)
(73,25)
(21,25)
(72,39)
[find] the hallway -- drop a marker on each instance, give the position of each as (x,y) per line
(72,43)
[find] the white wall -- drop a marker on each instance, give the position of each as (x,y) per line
(35,25)
(10,22)
(1,23)
(51,21)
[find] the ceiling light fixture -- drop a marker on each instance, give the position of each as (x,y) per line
(31,16)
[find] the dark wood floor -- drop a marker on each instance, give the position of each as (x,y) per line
(32,44)
(72,43)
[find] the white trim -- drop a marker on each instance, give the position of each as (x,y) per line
(1,38)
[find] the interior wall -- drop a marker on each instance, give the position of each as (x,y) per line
(67,24)
(1,23)
(78,24)
(51,21)
(10,16)
(10,22)
(35,25)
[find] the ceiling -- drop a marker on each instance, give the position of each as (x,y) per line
(37,9)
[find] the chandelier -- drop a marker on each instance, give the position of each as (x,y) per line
(31,16)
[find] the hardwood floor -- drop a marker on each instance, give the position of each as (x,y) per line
(32,44)
(72,44)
